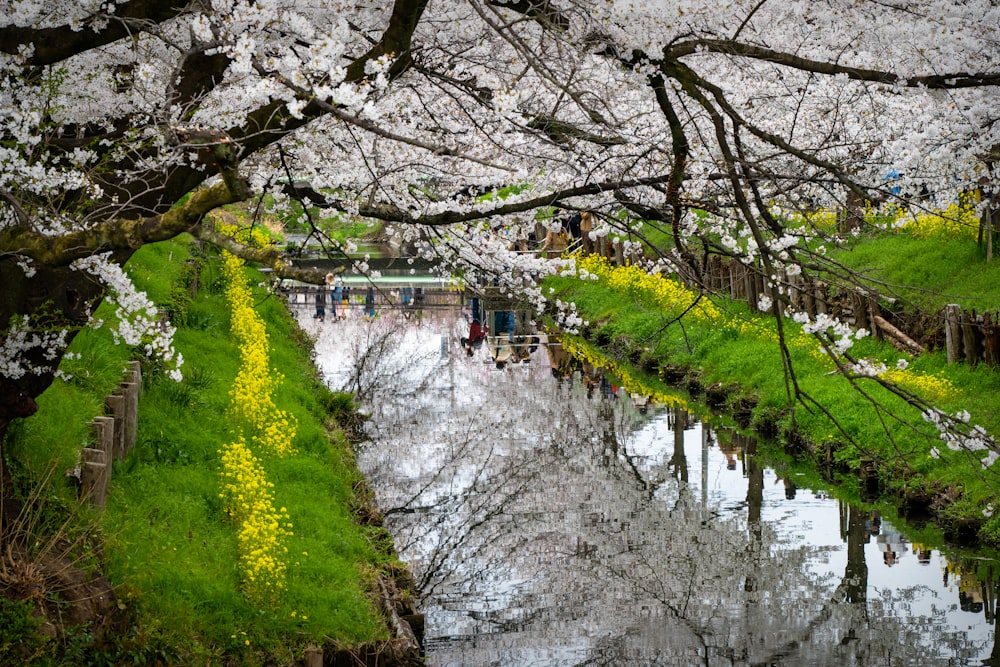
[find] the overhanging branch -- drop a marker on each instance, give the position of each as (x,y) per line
(734,48)
(390,213)
(115,234)
(58,43)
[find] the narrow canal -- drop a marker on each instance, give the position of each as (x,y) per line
(553,518)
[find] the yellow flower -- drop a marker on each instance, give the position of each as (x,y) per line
(247,495)
(956,221)
(653,290)
(930,387)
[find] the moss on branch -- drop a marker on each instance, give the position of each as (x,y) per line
(115,234)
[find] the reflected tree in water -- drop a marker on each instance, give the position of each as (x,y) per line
(546,527)
(379,358)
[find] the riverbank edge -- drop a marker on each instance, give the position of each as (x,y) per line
(392,588)
(744,406)
(94,608)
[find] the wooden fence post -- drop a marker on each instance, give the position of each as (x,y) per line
(104,432)
(95,469)
(114,436)
(94,477)
(135,374)
(970,340)
(820,298)
(759,289)
(991,341)
(192,266)
(793,291)
(130,394)
(312,656)
(748,285)
(860,308)
(809,297)
(115,405)
(952,332)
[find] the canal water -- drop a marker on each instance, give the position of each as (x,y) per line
(551,517)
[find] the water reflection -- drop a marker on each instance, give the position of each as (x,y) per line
(553,518)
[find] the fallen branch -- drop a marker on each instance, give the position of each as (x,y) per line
(897,337)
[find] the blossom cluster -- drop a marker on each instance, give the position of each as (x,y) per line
(138,320)
(19,339)
(841,334)
(958,435)
(566,316)
(136,323)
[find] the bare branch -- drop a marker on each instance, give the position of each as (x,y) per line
(735,48)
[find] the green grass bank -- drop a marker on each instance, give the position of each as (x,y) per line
(844,430)
(165,541)
(927,272)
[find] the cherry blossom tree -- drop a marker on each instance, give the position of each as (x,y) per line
(128,122)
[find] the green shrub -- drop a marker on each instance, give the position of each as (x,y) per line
(20,642)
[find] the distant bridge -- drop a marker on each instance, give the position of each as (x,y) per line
(417,293)
(384,265)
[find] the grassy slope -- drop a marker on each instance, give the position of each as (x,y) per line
(730,352)
(936,271)
(185,554)
(169,547)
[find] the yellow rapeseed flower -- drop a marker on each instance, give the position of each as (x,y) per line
(247,495)
(929,387)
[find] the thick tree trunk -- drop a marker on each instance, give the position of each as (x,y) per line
(10,508)
(54,298)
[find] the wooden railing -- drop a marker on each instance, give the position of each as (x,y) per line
(114,436)
(972,337)
(969,337)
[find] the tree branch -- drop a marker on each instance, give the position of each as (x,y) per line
(395,40)
(115,234)
(391,213)
(543,11)
(681,150)
(271,256)
(734,48)
(56,44)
